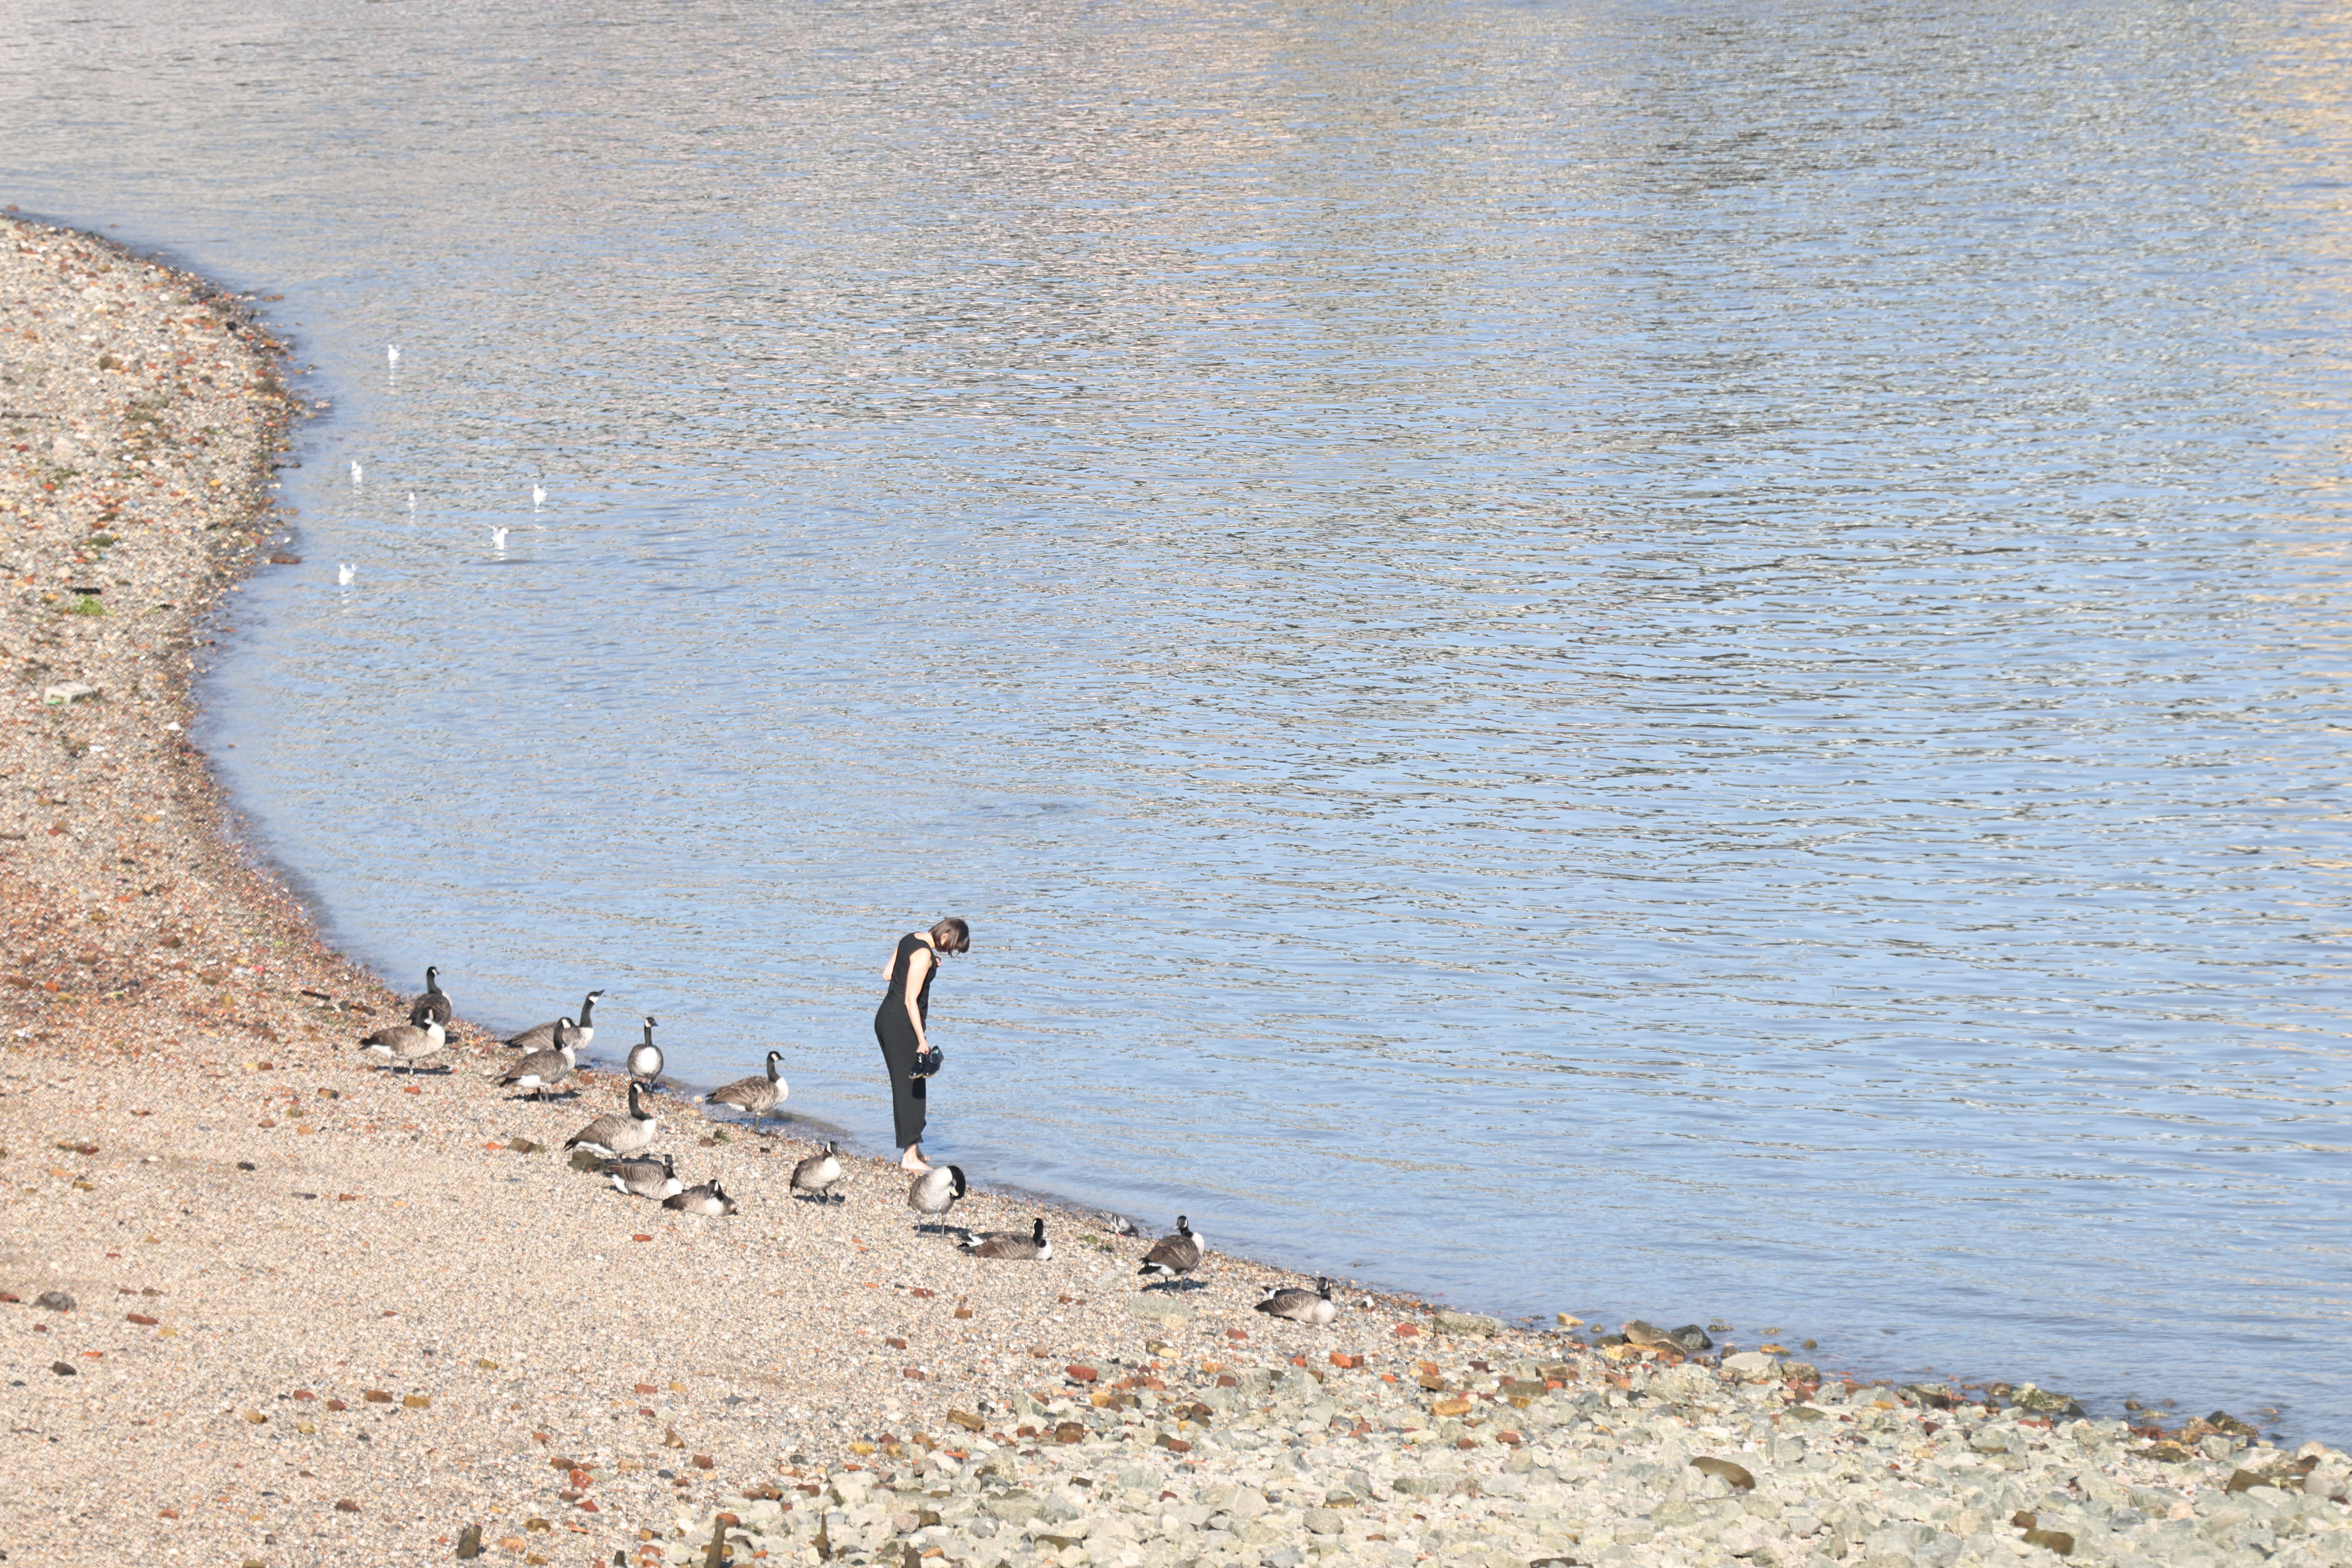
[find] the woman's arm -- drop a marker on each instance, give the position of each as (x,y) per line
(918,964)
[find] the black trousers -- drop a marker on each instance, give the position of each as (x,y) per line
(897,1035)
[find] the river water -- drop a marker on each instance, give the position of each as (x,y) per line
(1682,659)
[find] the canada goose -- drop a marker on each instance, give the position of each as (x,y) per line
(539,1036)
(710,1199)
(1172,1257)
(645,1058)
(936,1190)
(755,1097)
(435,1001)
(1010,1244)
(406,1044)
(645,1178)
(820,1172)
(539,1071)
(618,1135)
(1300,1306)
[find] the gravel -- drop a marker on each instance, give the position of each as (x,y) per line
(327,1313)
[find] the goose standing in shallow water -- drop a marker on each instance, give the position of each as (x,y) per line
(539,1071)
(406,1044)
(755,1097)
(1172,1257)
(645,1058)
(1299,1305)
(539,1036)
(435,1001)
(1033,1247)
(710,1199)
(618,1135)
(646,1178)
(820,1172)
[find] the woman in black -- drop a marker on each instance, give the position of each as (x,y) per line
(900,1024)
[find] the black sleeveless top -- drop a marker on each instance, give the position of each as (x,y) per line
(910,945)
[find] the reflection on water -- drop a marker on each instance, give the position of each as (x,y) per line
(1673,660)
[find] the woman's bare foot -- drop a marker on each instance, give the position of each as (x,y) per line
(913,1160)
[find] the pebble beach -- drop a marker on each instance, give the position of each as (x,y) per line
(268,1302)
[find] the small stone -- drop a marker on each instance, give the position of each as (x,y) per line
(346,1505)
(1081,1373)
(1690,1337)
(378,1397)
(470,1543)
(2056,1540)
(1736,1476)
(255,1417)
(1163,1310)
(417,1402)
(56,1301)
(1477,1324)
(66,691)
(64,1369)
(967,1420)
(2028,1397)
(1752,1366)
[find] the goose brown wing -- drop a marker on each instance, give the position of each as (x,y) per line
(603,1130)
(746,1094)
(547,1066)
(1180,1253)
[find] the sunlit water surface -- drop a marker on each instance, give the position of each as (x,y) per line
(1682,659)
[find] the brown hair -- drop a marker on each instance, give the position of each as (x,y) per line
(951,936)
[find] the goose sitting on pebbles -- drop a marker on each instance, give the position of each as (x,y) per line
(540,1037)
(755,1097)
(936,1190)
(645,1058)
(435,1001)
(542,1070)
(820,1172)
(710,1199)
(644,1178)
(1299,1305)
(618,1135)
(406,1044)
(1172,1257)
(1033,1247)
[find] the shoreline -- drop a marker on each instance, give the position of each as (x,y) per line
(324,1312)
